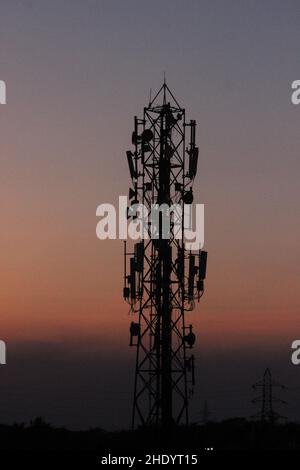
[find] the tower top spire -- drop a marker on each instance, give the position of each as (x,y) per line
(163,96)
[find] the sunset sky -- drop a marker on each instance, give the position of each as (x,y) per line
(76,73)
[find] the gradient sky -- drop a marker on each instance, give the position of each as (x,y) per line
(76,73)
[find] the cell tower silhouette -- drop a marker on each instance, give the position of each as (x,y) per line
(267,399)
(164,278)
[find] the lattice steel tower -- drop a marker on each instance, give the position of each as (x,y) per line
(267,398)
(163,278)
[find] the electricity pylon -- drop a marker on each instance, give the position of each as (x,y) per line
(267,399)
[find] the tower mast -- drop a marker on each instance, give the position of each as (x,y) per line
(164,278)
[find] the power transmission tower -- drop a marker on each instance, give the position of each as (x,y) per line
(267,399)
(164,278)
(205,413)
